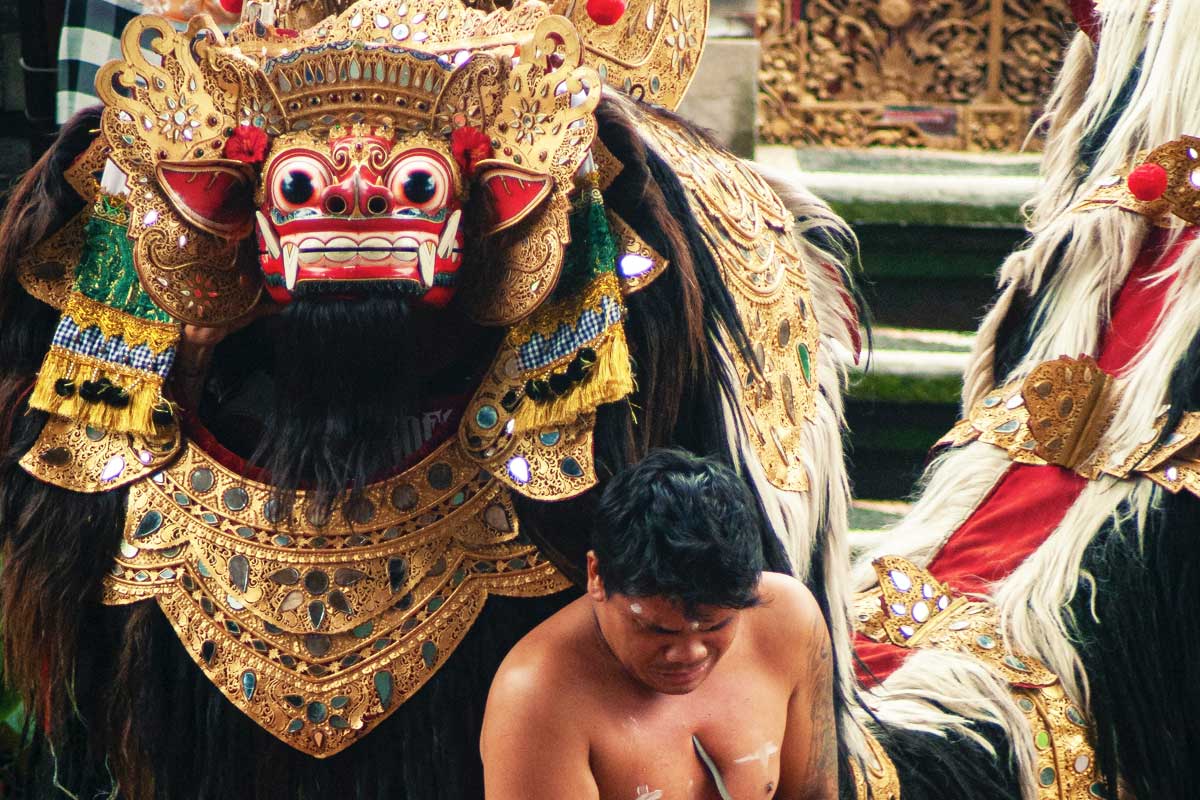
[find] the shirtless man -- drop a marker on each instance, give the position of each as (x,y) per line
(684,673)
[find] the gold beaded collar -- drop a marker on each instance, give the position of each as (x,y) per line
(319,625)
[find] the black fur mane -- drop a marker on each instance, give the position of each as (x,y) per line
(114,697)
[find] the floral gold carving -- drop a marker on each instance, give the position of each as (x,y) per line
(1006,418)
(83,458)
(951,74)
(1180,202)
(1065,767)
(180,96)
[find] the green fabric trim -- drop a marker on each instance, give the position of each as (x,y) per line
(106,272)
(592,252)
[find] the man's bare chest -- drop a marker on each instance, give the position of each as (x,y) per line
(648,753)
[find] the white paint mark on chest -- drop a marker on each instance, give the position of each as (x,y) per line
(644,793)
(762,755)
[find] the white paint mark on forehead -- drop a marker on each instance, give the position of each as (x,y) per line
(694,625)
(636,608)
(644,793)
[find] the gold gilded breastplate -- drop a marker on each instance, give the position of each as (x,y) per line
(319,628)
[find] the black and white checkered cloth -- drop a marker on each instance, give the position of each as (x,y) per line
(92,342)
(540,351)
(91,37)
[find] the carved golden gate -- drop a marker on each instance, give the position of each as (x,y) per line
(952,74)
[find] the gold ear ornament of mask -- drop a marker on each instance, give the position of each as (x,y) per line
(177,115)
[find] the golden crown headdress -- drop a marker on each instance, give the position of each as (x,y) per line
(410,64)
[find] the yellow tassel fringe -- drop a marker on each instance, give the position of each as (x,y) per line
(88,313)
(610,380)
(145,392)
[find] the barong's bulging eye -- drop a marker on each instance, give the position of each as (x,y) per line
(296,187)
(296,180)
(422,180)
(419,187)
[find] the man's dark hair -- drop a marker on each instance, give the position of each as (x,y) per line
(681,527)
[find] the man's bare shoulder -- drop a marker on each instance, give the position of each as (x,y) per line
(789,619)
(531,728)
(546,661)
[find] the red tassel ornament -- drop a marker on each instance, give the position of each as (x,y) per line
(248,144)
(470,146)
(232,6)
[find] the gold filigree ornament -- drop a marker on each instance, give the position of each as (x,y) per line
(320,623)
(638,264)
(650,53)
(1066,764)
(544,127)
(1058,415)
(1162,185)
(749,231)
(83,458)
(174,99)
(48,270)
(1069,406)
(879,781)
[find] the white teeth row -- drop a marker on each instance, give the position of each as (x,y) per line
(348,243)
(312,250)
(426,255)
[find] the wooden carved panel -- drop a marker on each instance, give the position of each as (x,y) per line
(950,74)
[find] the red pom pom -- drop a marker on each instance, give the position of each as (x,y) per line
(247,144)
(1148,182)
(469,146)
(606,12)
(232,6)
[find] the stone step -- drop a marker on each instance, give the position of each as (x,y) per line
(912,186)
(933,227)
(896,408)
(913,366)
(873,516)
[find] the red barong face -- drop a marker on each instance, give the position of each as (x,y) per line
(360,212)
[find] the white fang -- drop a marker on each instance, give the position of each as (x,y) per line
(426,255)
(270,239)
(291,264)
(446,243)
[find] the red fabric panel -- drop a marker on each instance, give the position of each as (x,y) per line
(1029,502)
(1024,507)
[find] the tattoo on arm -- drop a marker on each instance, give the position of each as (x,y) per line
(822,768)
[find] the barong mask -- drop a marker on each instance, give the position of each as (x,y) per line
(363,209)
(372,150)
